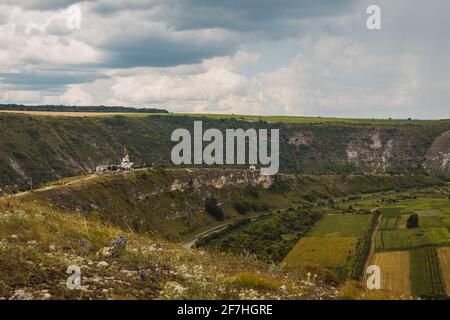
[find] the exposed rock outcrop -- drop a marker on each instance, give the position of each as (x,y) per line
(437,159)
(380,150)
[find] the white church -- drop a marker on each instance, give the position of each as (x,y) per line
(125,165)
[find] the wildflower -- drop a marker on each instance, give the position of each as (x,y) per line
(142,275)
(173,290)
(120,242)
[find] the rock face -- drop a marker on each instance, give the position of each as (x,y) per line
(339,149)
(217,179)
(301,138)
(437,159)
(382,151)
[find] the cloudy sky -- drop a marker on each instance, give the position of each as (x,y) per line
(287,57)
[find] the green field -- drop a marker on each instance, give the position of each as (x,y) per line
(391,212)
(340,226)
(430,222)
(425,273)
(388,223)
(446,221)
(429,212)
(402,239)
(303,119)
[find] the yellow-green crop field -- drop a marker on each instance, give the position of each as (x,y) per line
(316,251)
(395,271)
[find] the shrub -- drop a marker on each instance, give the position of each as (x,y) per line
(280,185)
(247,279)
(253,191)
(413,221)
(241,207)
(213,209)
(259,206)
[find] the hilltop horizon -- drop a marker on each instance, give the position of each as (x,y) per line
(148,109)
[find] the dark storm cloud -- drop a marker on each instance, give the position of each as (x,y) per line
(50,81)
(107,8)
(267,16)
(160,52)
(252,15)
(42,4)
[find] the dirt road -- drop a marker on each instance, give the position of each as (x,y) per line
(20,194)
(189,244)
(372,247)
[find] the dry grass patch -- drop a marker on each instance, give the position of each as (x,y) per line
(355,290)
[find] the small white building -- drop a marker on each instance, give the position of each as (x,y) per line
(126,165)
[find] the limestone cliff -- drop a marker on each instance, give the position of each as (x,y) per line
(437,158)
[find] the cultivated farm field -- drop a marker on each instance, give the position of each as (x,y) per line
(431,222)
(315,251)
(391,212)
(388,223)
(395,271)
(444,261)
(401,239)
(333,242)
(425,273)
(339,225)
(425,244)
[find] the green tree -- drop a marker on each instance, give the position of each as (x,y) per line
(213,209)
(413,221)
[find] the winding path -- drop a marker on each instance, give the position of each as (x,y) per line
(372,247)
(54,186)
(190,243)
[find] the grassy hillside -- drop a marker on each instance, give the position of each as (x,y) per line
(38,243)
(45,148)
